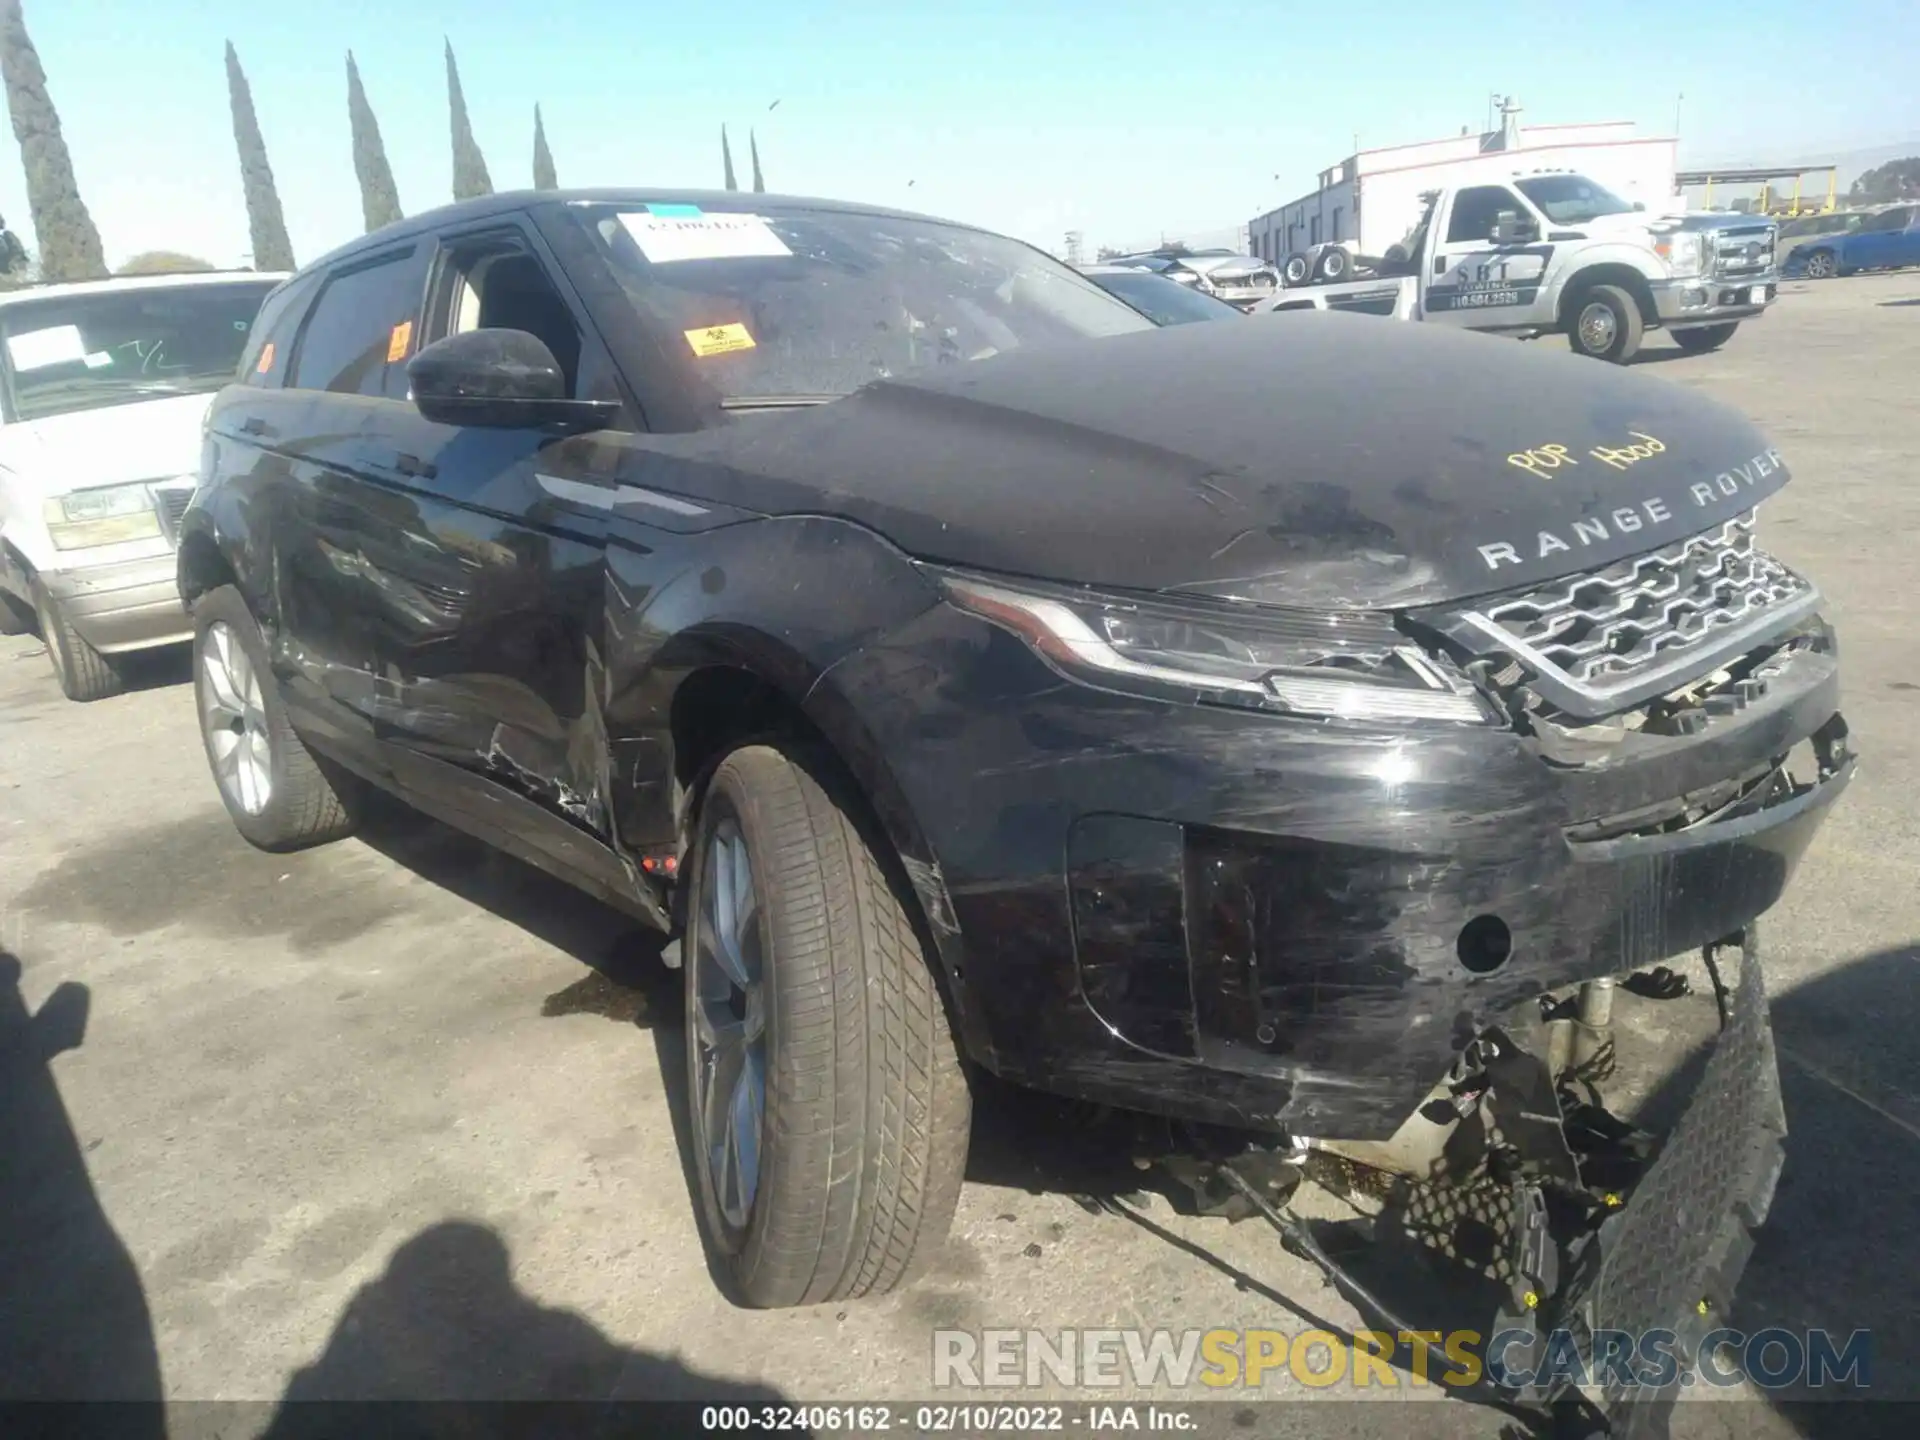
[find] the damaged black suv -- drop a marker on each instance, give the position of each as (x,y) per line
(1261,725)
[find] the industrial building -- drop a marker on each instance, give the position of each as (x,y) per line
(1372,198)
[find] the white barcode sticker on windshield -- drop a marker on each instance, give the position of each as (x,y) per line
(37,349)
(666,238)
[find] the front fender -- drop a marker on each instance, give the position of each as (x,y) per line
(1611,253)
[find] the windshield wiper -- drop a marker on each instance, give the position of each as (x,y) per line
(775,402)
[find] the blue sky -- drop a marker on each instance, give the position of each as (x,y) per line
(1118,119)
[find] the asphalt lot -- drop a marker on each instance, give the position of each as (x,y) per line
(396,1118)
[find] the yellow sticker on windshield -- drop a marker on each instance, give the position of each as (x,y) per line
(398,341)
(719,339)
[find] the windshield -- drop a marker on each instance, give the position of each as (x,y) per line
(800,302)
(1571,199)
(81,352)
(1163,301)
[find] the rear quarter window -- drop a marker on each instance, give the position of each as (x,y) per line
(271,345)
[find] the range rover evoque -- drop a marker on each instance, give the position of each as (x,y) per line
(1239,723)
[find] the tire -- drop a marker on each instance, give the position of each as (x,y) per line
(1701,338)
(860,1139)
(273,787)
(1615,338)
(1820,265)
(1335,265)
(1297,270)
(85,674)
(16,618)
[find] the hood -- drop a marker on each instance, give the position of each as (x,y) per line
(148,440)
(1325,460)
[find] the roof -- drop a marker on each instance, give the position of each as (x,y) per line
(512,202)
(118,283)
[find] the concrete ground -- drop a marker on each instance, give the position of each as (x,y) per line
(396,1118)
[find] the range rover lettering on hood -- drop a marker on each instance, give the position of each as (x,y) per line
(1312,460)
(1658,516)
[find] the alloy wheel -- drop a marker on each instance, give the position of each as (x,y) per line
(1598,327)
(234,714)
(730,1025)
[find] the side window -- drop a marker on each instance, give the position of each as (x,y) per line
(271,343)
(494,282)
(1475,209)
(360,333)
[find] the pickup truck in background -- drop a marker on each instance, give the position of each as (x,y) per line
(1556,253)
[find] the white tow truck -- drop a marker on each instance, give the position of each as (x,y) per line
(1558,253)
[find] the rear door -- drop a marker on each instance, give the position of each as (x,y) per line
(487,612)
(342,539)
(1880,241)
(1472,282)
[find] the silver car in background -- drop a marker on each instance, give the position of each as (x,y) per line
(1244,281)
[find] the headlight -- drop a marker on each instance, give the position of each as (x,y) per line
(1684,251)
(104,516)
(1352,667)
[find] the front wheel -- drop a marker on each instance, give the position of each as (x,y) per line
(84,673)
(273,788)
(1606,324)
(1702,338)
(829,1108)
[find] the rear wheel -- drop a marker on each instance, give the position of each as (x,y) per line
(829,1108)
(271,784)
(84,673)
(1605,323)
(1335,265)
(1296,270)
(1702,338)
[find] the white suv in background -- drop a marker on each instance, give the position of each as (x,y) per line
(103,388)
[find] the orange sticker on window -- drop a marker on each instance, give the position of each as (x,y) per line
(397,342)
(719,339)
(266,359)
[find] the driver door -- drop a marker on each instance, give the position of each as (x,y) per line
(491,611)
(1474,283)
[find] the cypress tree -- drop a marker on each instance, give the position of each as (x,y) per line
(272,250)
(544,177)
(470,178)
(726,159)
(753,144)
(379,197)
(69,243)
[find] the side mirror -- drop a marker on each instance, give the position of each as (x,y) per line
(1512,228)
(500,379)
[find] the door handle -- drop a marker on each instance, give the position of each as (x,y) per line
(1439,264)
(414,467)
(254,425)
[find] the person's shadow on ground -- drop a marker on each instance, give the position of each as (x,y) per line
(431,1347)
(73,1315)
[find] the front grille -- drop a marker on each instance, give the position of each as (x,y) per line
(1742,252)
(1596,643)
(1682,1236)
(172,504)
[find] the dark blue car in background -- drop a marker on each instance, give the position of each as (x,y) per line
(1884,241)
